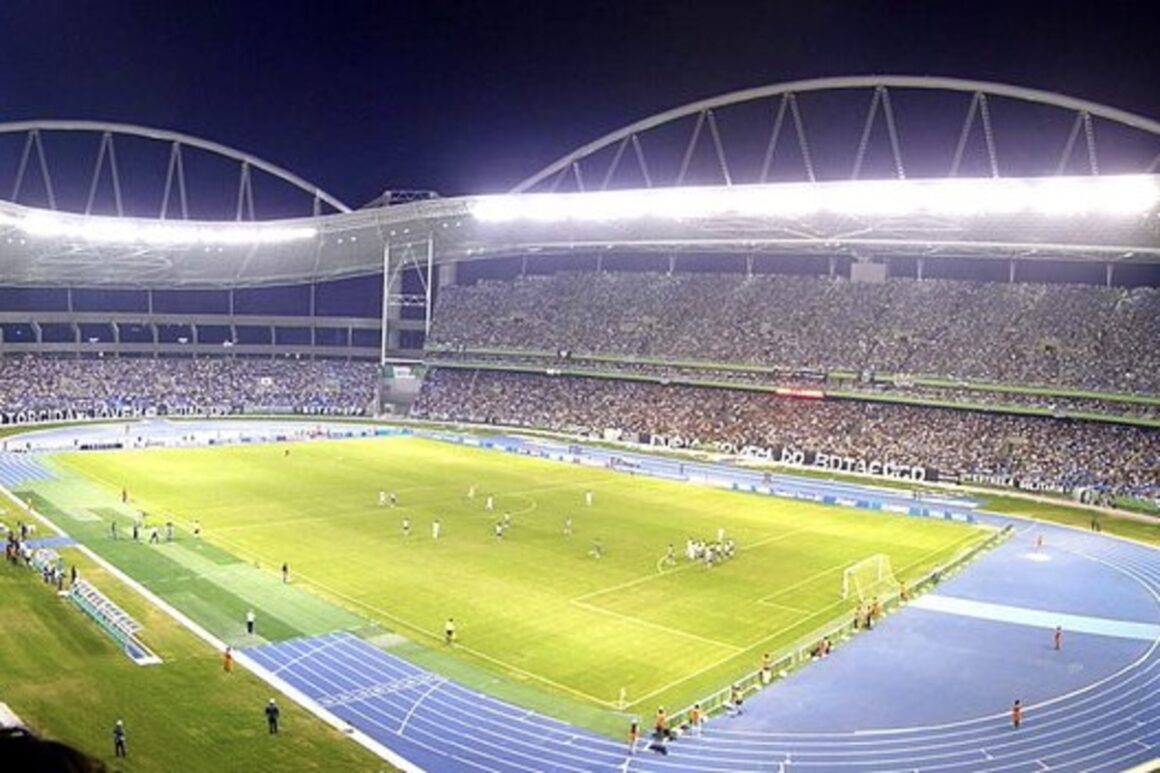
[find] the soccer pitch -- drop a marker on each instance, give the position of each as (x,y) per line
(535,606)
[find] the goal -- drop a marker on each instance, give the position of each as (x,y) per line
(869,577)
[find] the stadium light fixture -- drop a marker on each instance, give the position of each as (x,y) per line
(112,230)
(1109,195)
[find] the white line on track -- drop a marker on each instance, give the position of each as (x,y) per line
(415,705)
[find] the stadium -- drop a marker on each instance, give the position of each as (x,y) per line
(814,426)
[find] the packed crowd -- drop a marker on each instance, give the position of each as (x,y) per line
(869,386)
(33,385)
(1063,335)
(1041,452)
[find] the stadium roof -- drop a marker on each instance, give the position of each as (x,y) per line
(608,195)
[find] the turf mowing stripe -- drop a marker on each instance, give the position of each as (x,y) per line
(438,637)
(655,626)
(684,567)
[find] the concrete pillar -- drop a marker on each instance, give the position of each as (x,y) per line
(448,274)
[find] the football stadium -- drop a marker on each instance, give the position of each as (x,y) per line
(810,427)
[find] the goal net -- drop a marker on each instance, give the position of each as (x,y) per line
(869,577)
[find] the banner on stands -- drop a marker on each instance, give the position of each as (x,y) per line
(802,458)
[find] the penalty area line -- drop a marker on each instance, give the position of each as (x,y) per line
(438,637)
(683,567)
(655,626)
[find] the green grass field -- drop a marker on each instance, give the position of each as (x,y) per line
(70,683)
(538,617)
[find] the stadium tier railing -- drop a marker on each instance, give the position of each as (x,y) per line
(838,629)
(113,620)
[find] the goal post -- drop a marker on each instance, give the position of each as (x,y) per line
(869,577)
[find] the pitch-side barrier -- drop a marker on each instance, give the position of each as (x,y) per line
(838,629)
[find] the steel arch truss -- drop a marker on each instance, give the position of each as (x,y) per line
(34,183)
(675,139)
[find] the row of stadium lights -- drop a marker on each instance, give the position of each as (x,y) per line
(1114,196)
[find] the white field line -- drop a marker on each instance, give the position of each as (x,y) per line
(655,626)
(433,635)
(682,568)
(241,658)
(756,644)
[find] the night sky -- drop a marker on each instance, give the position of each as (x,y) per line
(474,96)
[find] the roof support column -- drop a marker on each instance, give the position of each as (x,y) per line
(388,278)
(431,285)
(1011,271)
(1109,274)
(919,268)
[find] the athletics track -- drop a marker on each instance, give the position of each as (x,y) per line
(927,690)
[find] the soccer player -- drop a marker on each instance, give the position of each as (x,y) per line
(250,620)
(588,498)
(1057,638)
(154,537)
(449,631)
(720,534)
(169,531)
(633,734)
(285,573)
(499,530)
(670,556)
(507,520)
(436,526)
(489,503)
(228,660)
(597,550)
(406,526)
(119,739)
(1016,714)
(471,491)
(394,499)
(113,530)
(197,529)
(767,668)
(382,499)
(272,714)
(568,526)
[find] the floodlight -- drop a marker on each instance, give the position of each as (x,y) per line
(1113,195)
(112,230)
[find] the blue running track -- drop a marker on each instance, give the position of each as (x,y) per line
(1099,710)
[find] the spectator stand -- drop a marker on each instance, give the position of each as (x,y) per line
(113,620)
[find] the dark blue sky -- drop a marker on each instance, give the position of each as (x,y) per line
(474,96)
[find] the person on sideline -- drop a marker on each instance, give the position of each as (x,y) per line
(119,739)
(272,714)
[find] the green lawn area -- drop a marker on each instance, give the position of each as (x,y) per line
(70,682)
(534,608)
(1074,516)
